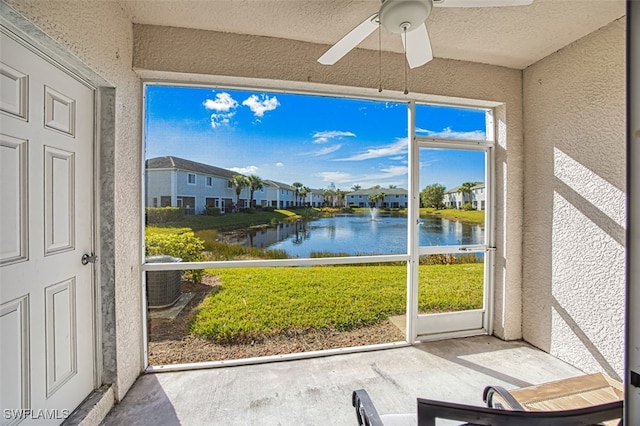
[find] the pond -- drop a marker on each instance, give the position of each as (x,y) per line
(358,234)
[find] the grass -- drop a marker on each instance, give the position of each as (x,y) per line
(238,220)
(254,302)
(471,216)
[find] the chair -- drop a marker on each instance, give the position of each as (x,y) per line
(583,400)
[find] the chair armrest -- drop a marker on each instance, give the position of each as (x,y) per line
(430,410)
(488,397)
(365,410)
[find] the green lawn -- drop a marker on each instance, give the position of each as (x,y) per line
(254,302)
(237,220)
(472,216)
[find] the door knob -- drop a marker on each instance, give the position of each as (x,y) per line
(89,258)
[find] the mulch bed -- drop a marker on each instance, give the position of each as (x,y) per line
(171,343)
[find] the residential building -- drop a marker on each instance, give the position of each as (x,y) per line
(174,181)
(395,198)
(455,197)
(280,195)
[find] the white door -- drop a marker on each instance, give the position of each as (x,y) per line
(46,225)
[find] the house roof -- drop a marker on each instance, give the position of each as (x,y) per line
(278,184)
(457,189)
(178,163)
(387,191)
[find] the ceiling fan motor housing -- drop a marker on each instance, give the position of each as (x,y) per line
(399,16)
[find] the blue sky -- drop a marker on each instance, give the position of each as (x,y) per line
(316,140)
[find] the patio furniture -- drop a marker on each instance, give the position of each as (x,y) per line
(583,400)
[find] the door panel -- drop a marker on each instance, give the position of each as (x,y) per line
(452,273)
(46,293)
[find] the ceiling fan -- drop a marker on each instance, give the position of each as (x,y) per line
(405,17)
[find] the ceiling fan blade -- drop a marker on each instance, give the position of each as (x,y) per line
(417,46)
(349,41)
(481,3)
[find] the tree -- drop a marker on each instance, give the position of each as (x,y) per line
(304,191)
(376,198)
(392,186)
(297,186)
(330,195)
(433,195)
(340,197)
(356,187)
(240,182)
(465,188)
(255,183)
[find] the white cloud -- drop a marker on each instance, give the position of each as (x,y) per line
(261,105)
(474,135)
(223,102)
(248,170)
(279,164)
(324,151)
(394,171)
(367,180)
(398,147)
(224,106)
(338,177)
(324,137)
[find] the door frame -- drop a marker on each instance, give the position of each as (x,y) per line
(23,31)
(453,324)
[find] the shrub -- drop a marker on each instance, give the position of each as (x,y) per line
(212,211)
(156,215)
(182,243)
(467,207)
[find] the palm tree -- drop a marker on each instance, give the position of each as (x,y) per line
(255,183)
(297,186)
(303,193)
(340,196)
(240,182)
(328,197)
(376,198)
(465,188)
(356,187)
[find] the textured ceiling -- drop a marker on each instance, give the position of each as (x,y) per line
(514,37)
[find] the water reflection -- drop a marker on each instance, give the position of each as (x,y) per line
(357,235)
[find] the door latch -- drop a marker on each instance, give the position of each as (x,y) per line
(89,258)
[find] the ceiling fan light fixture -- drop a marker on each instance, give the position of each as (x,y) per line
(399,16)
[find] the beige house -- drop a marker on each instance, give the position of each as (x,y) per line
(553,75)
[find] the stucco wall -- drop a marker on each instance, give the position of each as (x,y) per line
(573,285)
(202,53)
(100,35)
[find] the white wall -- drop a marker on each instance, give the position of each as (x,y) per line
(100,35)
(574,215)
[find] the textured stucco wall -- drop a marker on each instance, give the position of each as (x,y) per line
(186,51)
(573,273)
(100,35)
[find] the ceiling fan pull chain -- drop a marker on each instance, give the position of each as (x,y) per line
(406,91)
(379,57)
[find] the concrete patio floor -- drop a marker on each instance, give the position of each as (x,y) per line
(318,391)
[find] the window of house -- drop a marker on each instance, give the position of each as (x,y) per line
(209,181)
(330,145)
(191,179)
